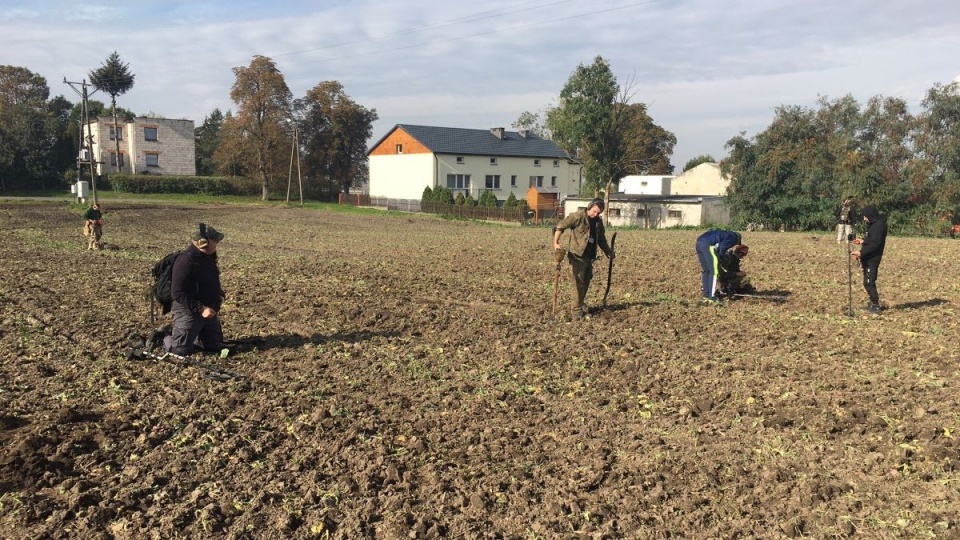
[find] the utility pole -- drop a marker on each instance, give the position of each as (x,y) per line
(295,149)
(85,120)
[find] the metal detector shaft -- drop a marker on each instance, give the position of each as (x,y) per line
(613,241)
(761,296)
(849,277)
(210,371)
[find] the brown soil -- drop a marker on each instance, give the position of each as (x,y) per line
(413,383)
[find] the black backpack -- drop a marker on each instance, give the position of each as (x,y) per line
(160,293)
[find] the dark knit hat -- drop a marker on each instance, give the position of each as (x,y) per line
(870,212)
(206,232)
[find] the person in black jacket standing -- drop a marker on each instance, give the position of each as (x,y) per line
(197,295)
(870,253)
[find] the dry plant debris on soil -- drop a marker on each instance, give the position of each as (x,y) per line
(412,382)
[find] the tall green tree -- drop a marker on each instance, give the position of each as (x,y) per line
(27,129)
(207,139)
(586,125)
(334,131)
(938,149)
(699,160)
(794,172)
(257,135)
(532,122)
(648,146)
(114,78)
(595,122)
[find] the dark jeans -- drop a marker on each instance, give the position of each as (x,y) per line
(582,275)
(708,265)
(870,270)
(191,330)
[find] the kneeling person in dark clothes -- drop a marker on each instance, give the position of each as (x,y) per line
(197,296)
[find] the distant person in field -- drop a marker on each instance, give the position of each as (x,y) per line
(585,234)
(846,219)
(93,226)
(733,280)
(870,253)
(197,296)
(710,246)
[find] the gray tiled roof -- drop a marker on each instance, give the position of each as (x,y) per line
(480,142)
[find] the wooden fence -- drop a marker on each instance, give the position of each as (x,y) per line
(515,214)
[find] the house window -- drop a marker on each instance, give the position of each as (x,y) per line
(536,163)
(459,160)
(493,161)
(458,181)
(643,184)
(641,212)
(553,181)
(513,180)
(150,134)
(556,163)
(113,159)
(116,135)
(152,160)
(674,214)
(536,181)
(399,148)
(613,212)
(493,181)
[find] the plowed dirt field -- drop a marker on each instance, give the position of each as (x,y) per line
(413,382)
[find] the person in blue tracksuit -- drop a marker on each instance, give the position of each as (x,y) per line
(709,247)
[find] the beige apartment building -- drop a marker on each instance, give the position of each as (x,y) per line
(147,146)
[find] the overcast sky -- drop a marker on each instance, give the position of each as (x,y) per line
(707,69)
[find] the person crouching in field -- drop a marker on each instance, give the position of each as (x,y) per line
(710,245)
(870,253)
(733,280)
(845,221)
(197,295)
(586,234)
(93,226)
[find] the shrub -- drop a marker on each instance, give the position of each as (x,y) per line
(488,199)
(442,194)
(468,200)
(511,201)
(460,199)
(427,195)
(199,185)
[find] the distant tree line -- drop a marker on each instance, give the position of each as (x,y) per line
(328,131)
(795,172)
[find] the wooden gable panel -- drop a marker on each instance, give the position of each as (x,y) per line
(388,146)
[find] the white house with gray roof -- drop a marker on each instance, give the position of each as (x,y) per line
(410,158)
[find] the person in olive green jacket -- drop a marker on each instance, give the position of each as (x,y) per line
(585,233)
(93,226)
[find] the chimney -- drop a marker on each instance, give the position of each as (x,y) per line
(497,132)
(523,133)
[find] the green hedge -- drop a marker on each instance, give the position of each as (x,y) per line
(199,185)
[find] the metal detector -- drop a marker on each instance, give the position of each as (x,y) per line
(850,275)
(139,351)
